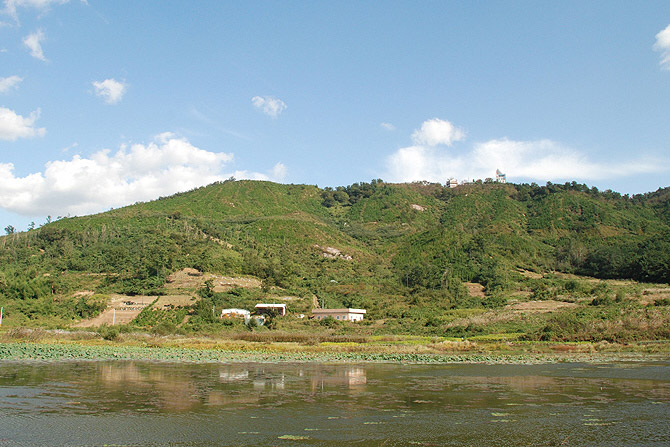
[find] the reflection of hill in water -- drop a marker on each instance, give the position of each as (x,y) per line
(159,387)
(353,377)
(176,388)
(160,404)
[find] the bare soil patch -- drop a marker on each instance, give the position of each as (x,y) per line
(110,317)
(83,293)
(333,253)
(512,312)
(475,289)
(121,309)
(539,306)
(193,279)
(653,294)
(529,274)
(174,300)
(286,298)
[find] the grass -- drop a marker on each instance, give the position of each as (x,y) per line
(25,345)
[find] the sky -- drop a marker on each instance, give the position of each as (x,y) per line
(107,103)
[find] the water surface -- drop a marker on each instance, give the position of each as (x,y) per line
(154,404)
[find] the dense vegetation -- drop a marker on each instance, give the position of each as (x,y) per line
(402,251)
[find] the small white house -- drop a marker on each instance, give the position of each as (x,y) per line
(339,314)
(236,313)
(280,309)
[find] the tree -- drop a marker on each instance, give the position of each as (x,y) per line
(9,229)
(207,291)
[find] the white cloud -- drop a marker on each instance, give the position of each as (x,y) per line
(110,90)
(42,6)
(435,132)
(8,83)
(278,172)
(387,126)
(662,45)
(271,106)
(34,43)
(138,172)
(541,160)
(13,126)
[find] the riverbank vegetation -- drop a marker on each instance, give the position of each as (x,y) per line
(50,345)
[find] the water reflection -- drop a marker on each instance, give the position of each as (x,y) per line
(156,387)
(223,404)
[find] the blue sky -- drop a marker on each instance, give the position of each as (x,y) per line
(103,104)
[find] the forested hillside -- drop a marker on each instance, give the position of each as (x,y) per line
(414,255)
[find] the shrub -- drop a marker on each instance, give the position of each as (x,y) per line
(109,332)
(164,328)
(603,300)
(328,322)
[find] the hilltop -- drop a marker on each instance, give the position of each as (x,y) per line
(498,261)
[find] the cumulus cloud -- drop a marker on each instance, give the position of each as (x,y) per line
(278,172)
(541,160)
(662,45)
(110,90)
(42,6)
(34,43)
(435,132)
(14,126)
(136,172)
(8,83)
(387,126)
(270,105)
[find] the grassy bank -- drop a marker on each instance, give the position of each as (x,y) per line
(41,345)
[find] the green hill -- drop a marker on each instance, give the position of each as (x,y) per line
(414,255)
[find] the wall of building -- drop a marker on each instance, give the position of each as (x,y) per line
(341,316)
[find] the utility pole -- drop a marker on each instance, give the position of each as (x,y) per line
(1,308)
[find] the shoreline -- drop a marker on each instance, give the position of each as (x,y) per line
(27,352)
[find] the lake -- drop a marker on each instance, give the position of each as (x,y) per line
(127,403)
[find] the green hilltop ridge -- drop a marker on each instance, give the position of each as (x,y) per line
(560,262)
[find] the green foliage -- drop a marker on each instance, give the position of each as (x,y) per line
(109,332)
(89,307)
(405,252)
(329,322)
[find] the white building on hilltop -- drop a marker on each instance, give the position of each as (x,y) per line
(500,177)
(339,314)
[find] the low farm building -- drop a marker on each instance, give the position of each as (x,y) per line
(236,313)
(279,309)
(339,314)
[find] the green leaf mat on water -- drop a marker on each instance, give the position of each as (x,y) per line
(24,351)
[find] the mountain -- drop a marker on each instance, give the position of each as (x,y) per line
(421,257)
